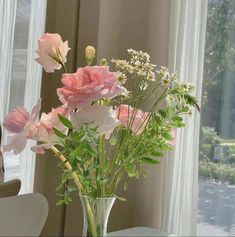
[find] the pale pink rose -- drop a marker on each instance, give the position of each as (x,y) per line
(16,120)
(20,122)
(103,117)
(17,144)
(40,149)
(52,52)
(51,119)
(89,84)
(42,135)
(134,118)
(43,130)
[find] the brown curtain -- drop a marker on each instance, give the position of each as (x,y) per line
(62,17)
(112,26)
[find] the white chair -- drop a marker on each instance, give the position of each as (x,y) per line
(23,215)
(10,188)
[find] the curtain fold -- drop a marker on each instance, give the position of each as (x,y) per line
(32,88)
(7,28)
(186,57)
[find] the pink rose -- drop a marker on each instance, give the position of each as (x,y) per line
(20,122)
(52,52)
(103,117)
(16,120)
(43,129)
(133,118)
(51,119)
(89,84)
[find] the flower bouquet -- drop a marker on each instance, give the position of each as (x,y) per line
(100,133)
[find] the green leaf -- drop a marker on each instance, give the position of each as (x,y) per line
(192,101)
(103,181)
(178,124)
(131,170)
(60,202)
(149,160)
(86,173)
(166,147)
(168,136)
(173,91)
(78,150)
(177,118)
(91,148)
(113,141)
(67,123)
(162,113)
(157,154)
(58,133)
(59,187)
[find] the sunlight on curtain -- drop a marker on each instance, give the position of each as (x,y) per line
(22,24)
(186,56)
(7,27)
(8,9)
(32,88)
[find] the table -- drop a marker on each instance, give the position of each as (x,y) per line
(139,231)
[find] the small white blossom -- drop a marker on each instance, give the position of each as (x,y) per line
(170,100)
(150,76)
(131,69)
(165,82)
(139,55)
(121,78)
(163,72)
(173,77)
(120,64)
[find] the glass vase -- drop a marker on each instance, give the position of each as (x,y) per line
(95,215)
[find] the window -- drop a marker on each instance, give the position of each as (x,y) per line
(216,202)
(18,75)
(23,22)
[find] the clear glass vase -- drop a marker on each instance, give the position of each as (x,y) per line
(95,215)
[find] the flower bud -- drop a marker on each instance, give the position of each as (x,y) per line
(52,52)
(103,62)
(90,54)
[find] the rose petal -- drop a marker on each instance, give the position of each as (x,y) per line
(103,117)
(17,144)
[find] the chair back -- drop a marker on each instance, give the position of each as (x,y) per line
(10,188)
(23,215)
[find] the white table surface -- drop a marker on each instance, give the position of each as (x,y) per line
(138,231)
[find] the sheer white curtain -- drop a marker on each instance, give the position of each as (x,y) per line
(7,27)
(32,88)
(186,56)
(21,24)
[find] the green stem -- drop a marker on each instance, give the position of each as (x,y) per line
(80,188)
(69,167)
(91,219)
(64,67)
(128,143)
(102,161)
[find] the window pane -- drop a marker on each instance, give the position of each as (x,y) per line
(19,70)
(216,204)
